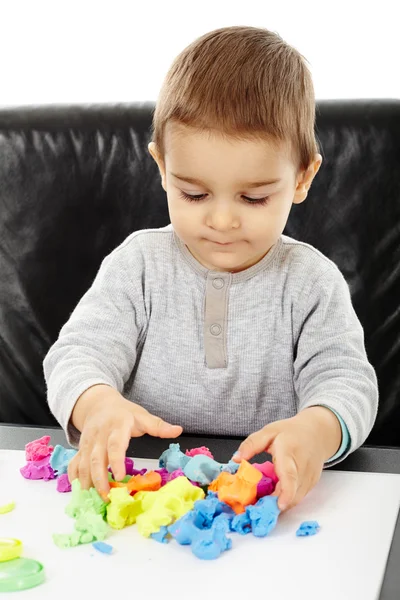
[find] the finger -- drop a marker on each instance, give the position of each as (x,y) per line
(305,488)
(286,470)
(98,469)
(255,444)
(73,467)
(117,446)
(154,426)
(83,467)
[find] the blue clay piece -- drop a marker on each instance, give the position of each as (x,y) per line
(103,547)
(173,459)
(211,545)
(60,459)
(202,469)
(241,523)
(263,515)
(161,535)
(206,544)
(231,467)
(205,511)
(308,528)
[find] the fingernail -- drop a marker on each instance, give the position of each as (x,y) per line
(237,455)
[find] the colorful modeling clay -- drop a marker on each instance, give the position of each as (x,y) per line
(206,544)
(205,511)
(308,528)
(171,502)
(123,509)
(103,547)
(38,469)
(241,523)
(129,468)
(6,508)
(168,501)
(164,475)
(60,459)
(173,459)
(150,481)
(63,483)
(264,515)
(267,469)
(88,510)
(265,487)
(83,501)
(38,449)
(161,535)
(238,490)
(204,469)
(200,450)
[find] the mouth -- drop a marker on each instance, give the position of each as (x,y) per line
(222,243)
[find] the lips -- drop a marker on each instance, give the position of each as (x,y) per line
(222,243)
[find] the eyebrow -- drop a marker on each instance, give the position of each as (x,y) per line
(248,184)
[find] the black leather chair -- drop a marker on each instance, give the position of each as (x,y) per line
(75,181)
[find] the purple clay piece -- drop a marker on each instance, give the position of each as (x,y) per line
(137,472)
(164,475)
(38,469)
(179,473)
(63,483)
(129,468)
(265,487)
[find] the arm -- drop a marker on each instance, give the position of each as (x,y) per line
(97,346)
(331,368)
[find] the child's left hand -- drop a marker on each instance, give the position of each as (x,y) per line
(299,446)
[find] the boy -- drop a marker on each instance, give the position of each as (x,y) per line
(218,323)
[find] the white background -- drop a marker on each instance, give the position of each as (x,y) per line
(119,51)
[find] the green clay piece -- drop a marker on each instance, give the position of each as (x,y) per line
(84,500)
(88,510)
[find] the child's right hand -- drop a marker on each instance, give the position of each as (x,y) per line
(108,422)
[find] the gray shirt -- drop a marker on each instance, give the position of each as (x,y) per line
(216,352)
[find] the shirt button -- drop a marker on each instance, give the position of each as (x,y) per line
(218,283)
(215,329)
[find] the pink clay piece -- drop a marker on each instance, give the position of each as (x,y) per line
(200,450)
(38,449)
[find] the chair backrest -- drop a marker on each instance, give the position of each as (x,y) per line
(75,181)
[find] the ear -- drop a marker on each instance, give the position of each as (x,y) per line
(305,180)
(159,160)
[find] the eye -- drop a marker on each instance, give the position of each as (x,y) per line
(199,197)
(191,198)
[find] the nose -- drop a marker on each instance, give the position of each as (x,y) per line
(222,217)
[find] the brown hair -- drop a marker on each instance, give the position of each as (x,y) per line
(243,82)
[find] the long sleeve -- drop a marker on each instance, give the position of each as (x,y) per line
(331,367)
(98,343)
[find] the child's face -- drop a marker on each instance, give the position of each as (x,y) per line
(230,226)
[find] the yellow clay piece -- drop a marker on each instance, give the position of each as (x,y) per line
(123,509)
(6,508)
(166,505)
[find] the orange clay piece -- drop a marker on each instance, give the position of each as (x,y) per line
(242,491)
(223,480)
(149,482)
